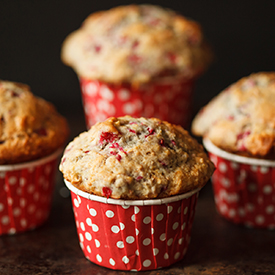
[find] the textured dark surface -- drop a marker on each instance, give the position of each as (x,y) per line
(217,246)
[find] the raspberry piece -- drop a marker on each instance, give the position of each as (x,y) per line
(41,132)
(132,131)
(173,142)
(118,157)
(139,178)
(240,137)
(97,48)
(163,189)
(163,163)
(243,135)
(230,117)
(161,142)
(133,58)
(135,44)
(151,132)
(14,94)
(116,145)
(108,137)
(172,57)
(106,192)
(154,22)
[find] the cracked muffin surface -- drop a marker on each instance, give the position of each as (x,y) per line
(30,127)
(241,119)
(135,158)
(135,44)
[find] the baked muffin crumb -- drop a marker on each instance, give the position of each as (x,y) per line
(136,44)
(30,127)
(136,158)
(241,119)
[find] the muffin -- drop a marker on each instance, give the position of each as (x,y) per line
(238,127)
(134,185)
(138,60)
(32,134)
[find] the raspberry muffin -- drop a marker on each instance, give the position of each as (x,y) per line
(238,127)
(139,60)
(134,184)
(32,134)
(132,158)
(30,127)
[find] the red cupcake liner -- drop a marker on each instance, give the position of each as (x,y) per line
(244,188)
(168,99)
(26,193)
(133,235)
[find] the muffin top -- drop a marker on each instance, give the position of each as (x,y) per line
(135,158)
(135,44)
(30,127)
(241,119)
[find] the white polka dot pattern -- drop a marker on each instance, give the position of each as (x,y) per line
(153,99)
(118,237)
(26,197)
(244,194)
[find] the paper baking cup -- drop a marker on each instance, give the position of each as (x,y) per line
(133,235)
(168,99)
(26,193)
(244,188)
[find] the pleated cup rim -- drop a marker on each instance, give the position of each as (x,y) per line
(92,197)
(210,147)
(13,167)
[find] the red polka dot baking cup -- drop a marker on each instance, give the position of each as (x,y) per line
(26,193)
(133,235)
(244,188)
(168,99)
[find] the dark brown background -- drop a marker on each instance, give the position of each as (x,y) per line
(31,33)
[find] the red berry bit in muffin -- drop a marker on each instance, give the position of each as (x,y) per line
(240,140)
(161,142)
(133,165)
(172,57)
(14,94)
(97,48)
(135,44)
(151,132)
(41,132)
(107,137)
(230,117)
(134,58)
(118,157)
(163,163)
(106,192)
(117,146)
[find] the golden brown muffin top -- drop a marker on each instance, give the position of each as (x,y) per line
(136,158)
(241,119)
(135,44)
(30,127)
